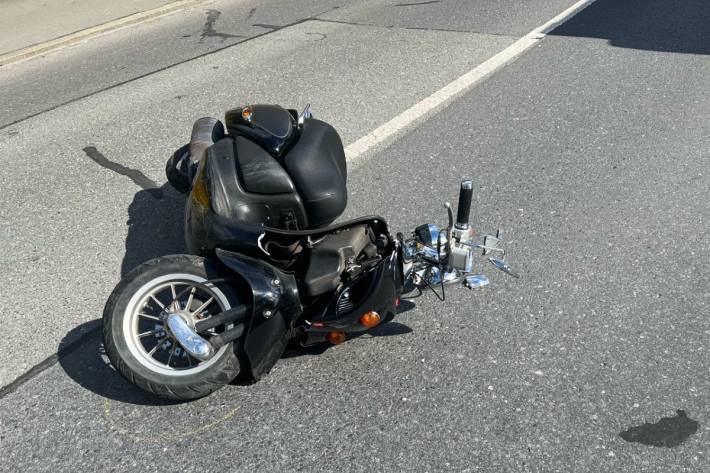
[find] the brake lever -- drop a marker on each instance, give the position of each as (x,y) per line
(450,211)
(449,229)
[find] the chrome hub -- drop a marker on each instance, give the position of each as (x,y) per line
(185,334)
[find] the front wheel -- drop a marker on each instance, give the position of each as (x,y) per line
(142,349)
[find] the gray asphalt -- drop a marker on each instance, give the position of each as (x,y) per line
(134,52)
(590,151)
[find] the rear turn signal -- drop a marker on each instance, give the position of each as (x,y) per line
(199,190)
(246,113)
(336,337)
(370,319)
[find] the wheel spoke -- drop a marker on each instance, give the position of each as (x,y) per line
(155,348)
(162,306)
(149,326)
(176,303)
(150,332)
(203,306)
(172,351)
(189,299)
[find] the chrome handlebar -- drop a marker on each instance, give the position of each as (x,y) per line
(437,257)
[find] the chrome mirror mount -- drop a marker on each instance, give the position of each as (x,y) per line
(490,243)
(305,115)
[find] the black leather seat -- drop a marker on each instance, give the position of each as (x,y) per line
(316,164)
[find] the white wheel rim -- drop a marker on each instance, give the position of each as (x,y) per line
(137,314)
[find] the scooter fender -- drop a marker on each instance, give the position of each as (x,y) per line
(275,307)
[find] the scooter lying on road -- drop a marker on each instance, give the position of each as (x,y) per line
(267,265)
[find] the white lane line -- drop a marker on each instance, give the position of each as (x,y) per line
(355,151)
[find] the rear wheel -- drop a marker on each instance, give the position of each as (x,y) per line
(141,347)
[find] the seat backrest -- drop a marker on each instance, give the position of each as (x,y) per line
(316,164)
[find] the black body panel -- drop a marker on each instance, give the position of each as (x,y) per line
(275,308)
(206,231)
(241,181)
(380,291)
(316,163)
(230,198)
(328,258)
(376,223)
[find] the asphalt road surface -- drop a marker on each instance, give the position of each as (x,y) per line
(590,150)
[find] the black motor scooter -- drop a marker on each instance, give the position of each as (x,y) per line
(267,265)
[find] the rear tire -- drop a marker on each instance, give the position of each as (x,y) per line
(138,345)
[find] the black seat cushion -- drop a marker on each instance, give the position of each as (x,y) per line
(316,164)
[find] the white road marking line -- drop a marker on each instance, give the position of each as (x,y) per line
(355,151)
(72,38)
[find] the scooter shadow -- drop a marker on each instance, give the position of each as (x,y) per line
(155,226)
(389,329)
(82,357)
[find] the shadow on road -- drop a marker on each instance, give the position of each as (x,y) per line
(81,355)
(155,216)
(679,26)
(388,329)
(86,364)
(155,226)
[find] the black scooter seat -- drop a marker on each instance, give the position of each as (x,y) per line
(316,164)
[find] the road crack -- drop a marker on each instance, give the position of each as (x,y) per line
(209,31)
(416,3)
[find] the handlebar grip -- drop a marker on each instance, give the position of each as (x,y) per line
(464,208)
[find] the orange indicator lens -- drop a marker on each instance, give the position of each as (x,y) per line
(336,338)
(246,113)
(370,319)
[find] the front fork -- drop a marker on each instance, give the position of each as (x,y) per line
(433,256)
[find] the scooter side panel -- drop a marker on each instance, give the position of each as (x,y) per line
(275,307)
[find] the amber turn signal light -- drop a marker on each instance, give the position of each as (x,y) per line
(246,113)
(336,337)
(370,319)
(199,190)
